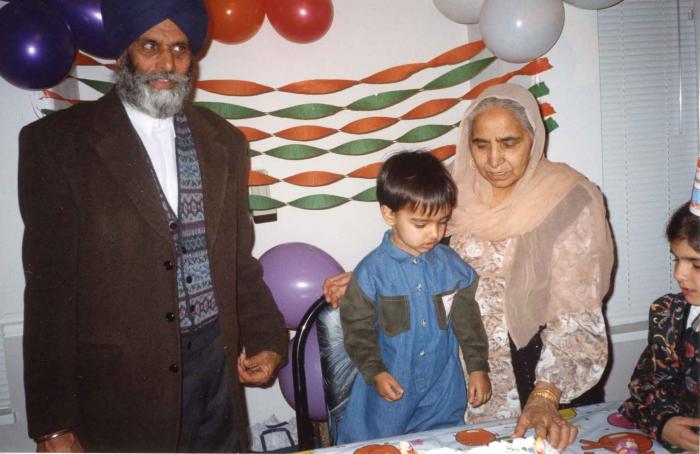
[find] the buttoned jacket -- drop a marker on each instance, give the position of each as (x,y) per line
(101,336)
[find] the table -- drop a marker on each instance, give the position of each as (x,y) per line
(594,422)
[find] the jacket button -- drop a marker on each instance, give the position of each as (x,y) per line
(188,279)
(168,265)
(173,226)
(174,368)
(170,317)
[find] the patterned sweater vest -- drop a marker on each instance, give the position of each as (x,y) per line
(196,301)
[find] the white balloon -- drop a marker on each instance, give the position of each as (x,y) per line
(460,11)
(593,4)
(521,30)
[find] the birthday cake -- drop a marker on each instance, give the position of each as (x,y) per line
(517,445)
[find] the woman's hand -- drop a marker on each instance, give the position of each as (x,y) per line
(542,414)
(388,387)
(679,432)
(334,288)
(65,442)
(479,388)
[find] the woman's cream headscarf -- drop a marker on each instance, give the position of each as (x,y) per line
(534,214)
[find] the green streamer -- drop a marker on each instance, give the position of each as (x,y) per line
(307,111)
(368,195)
(424,133)
(318,202)
(295,151)
(539,90)
(99,85)
(230,111)
(252,153)
(261,203)
(550,124)
(460,74)
(362,146)
(382,100)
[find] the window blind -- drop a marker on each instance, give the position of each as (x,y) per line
(5,404)
(649,116)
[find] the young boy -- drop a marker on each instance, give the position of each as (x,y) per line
(664,397)
(408,308)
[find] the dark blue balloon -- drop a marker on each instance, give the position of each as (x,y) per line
(36,47)
(84,18)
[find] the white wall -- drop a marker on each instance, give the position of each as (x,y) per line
(367,36)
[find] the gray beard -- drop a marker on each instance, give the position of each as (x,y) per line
(134,88)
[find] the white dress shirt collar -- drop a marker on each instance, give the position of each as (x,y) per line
(158,138)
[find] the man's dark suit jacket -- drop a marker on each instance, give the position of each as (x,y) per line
(101,345)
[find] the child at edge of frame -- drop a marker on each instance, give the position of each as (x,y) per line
(664,401)
(408,309)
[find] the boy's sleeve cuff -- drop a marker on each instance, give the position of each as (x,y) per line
(369,373)
(477,365)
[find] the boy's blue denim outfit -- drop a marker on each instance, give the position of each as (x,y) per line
(408,316)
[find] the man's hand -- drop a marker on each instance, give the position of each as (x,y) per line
(479,388)
(679,432)
(259,369)
(334,288)
(388,387)
(66,442)
(542,414)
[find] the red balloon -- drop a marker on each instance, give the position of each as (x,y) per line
(300,21)
(234,21)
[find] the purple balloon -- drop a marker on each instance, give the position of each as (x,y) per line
(295,272)
(314,378)
(84,18)
(36,47)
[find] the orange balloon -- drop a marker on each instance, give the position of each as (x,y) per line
(234,21)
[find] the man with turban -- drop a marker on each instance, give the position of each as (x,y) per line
(144,308)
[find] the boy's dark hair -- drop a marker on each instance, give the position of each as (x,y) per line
(684,225)
(416,180)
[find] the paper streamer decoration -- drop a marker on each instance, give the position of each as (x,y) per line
(299,137)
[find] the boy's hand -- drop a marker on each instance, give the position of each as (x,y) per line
(388,387)
(479,388)
(679,432)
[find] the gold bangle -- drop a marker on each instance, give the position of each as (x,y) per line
(546,394)
(51,436)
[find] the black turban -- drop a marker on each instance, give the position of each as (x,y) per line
(126,20)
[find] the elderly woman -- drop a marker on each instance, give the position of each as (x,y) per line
(536,233)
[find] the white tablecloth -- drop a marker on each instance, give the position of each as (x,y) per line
(594,422)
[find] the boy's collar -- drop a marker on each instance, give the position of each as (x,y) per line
(402,256)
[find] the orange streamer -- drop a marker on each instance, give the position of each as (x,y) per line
(318,86)
(367,125)
(546,109)
(532,68)
(395,74)
(314,178)
(369,171)
(252,134)
(53,95)
(85,60)
(458,54)
(445,152)
(305,133)
(256,178)
(233,87)
(429,108)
